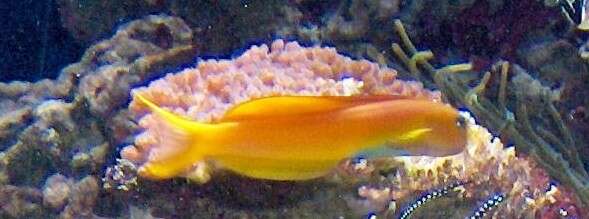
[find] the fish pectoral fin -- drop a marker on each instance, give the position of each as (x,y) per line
(409,137)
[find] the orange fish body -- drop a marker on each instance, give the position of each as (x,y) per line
(298,138)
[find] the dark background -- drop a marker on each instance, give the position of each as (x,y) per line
(33,43)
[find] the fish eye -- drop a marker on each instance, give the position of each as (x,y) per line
(461,121)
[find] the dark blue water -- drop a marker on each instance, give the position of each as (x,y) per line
(33,43)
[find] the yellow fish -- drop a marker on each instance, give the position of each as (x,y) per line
(304,137)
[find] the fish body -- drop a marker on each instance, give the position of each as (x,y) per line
(298,138)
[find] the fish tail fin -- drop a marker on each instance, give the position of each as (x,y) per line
(171,118)
(181,144)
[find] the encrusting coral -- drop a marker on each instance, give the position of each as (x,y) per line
(73,199)
(64,195)
(20,202)
(131,59)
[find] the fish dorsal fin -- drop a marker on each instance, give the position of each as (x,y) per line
(297,105)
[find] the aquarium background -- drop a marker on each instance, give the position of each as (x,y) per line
(35,45)
(68,69)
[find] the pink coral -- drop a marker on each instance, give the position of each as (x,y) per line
(204,93)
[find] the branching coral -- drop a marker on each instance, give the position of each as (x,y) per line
(553,150)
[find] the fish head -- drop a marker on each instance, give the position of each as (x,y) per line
(441,131)
(448,133)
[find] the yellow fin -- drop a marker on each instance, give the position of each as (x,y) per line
(174,119)
(296,105)
(179,145)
